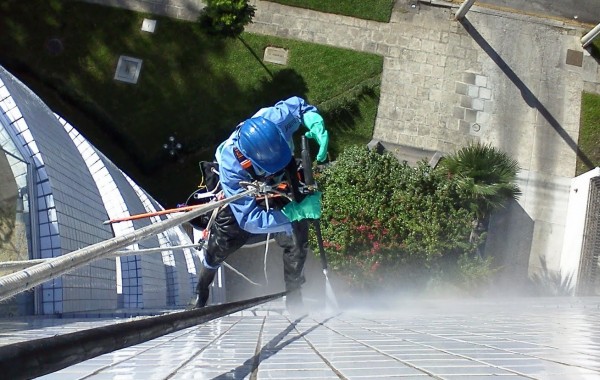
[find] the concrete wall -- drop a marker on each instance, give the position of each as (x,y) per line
(571,257)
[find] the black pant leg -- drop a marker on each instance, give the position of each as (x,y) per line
(226,237)
(295,249)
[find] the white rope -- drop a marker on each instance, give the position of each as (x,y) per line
(207,193)
(157,249)
(266,248)
(22,264)
(208,226)
(240,274)
(15,283)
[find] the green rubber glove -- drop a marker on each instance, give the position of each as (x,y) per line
(309,208)
(316,130)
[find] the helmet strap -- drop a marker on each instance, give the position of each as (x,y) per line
(246,164)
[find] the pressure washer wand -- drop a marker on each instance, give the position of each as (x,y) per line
(309,181)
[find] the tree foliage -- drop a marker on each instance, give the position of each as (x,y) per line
(486,174)
(226,17)
(380,216)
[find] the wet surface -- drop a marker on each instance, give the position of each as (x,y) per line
(541,338)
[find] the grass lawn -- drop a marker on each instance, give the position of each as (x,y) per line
(595,48)
(192,86)
(589,132)
(377,10)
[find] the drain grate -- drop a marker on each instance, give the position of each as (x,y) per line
(128,69)
(574,58)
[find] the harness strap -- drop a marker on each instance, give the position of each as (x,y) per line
(283,187)
(245,163)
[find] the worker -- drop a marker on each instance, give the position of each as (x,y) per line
(261,148)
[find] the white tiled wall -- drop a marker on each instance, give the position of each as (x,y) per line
(77,190)
(179,264)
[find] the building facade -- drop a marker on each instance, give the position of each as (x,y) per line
(56,191)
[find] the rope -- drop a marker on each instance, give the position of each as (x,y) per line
(22,264)
(266,248)
(240,274)
(208,226)
(42,271)
(157,249)
(15,283)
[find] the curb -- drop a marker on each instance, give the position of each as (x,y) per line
(488,9)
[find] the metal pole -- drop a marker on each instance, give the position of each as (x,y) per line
(310,182)
(463,9)
(589,37)
(15,283)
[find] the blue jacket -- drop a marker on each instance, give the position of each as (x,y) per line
(287,115)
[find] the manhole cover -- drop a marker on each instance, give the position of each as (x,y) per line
(574,58)
(54,46)
(128,69)
(148,25)
(276,55)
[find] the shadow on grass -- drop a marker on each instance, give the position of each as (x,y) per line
(182,90)
(594,49)
(256,56)
(345,111)
(284,84)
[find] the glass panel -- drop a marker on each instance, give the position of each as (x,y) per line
(14,202)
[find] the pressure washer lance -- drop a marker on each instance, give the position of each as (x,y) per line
(311,185)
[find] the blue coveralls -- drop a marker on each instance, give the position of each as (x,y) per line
(236,222)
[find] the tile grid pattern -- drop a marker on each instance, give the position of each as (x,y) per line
(519,339)
(77,188)
(67,204)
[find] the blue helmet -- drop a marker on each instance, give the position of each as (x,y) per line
(264,145)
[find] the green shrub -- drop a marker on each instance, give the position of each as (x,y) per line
(382,219)
(226,17)
(475,273)
(465,275)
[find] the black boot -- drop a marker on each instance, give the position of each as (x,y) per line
(202,288)
(294,303)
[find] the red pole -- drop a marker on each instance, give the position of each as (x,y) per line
(155,213)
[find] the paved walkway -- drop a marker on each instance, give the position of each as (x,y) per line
(519,339)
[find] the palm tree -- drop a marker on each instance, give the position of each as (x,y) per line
(486,174)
